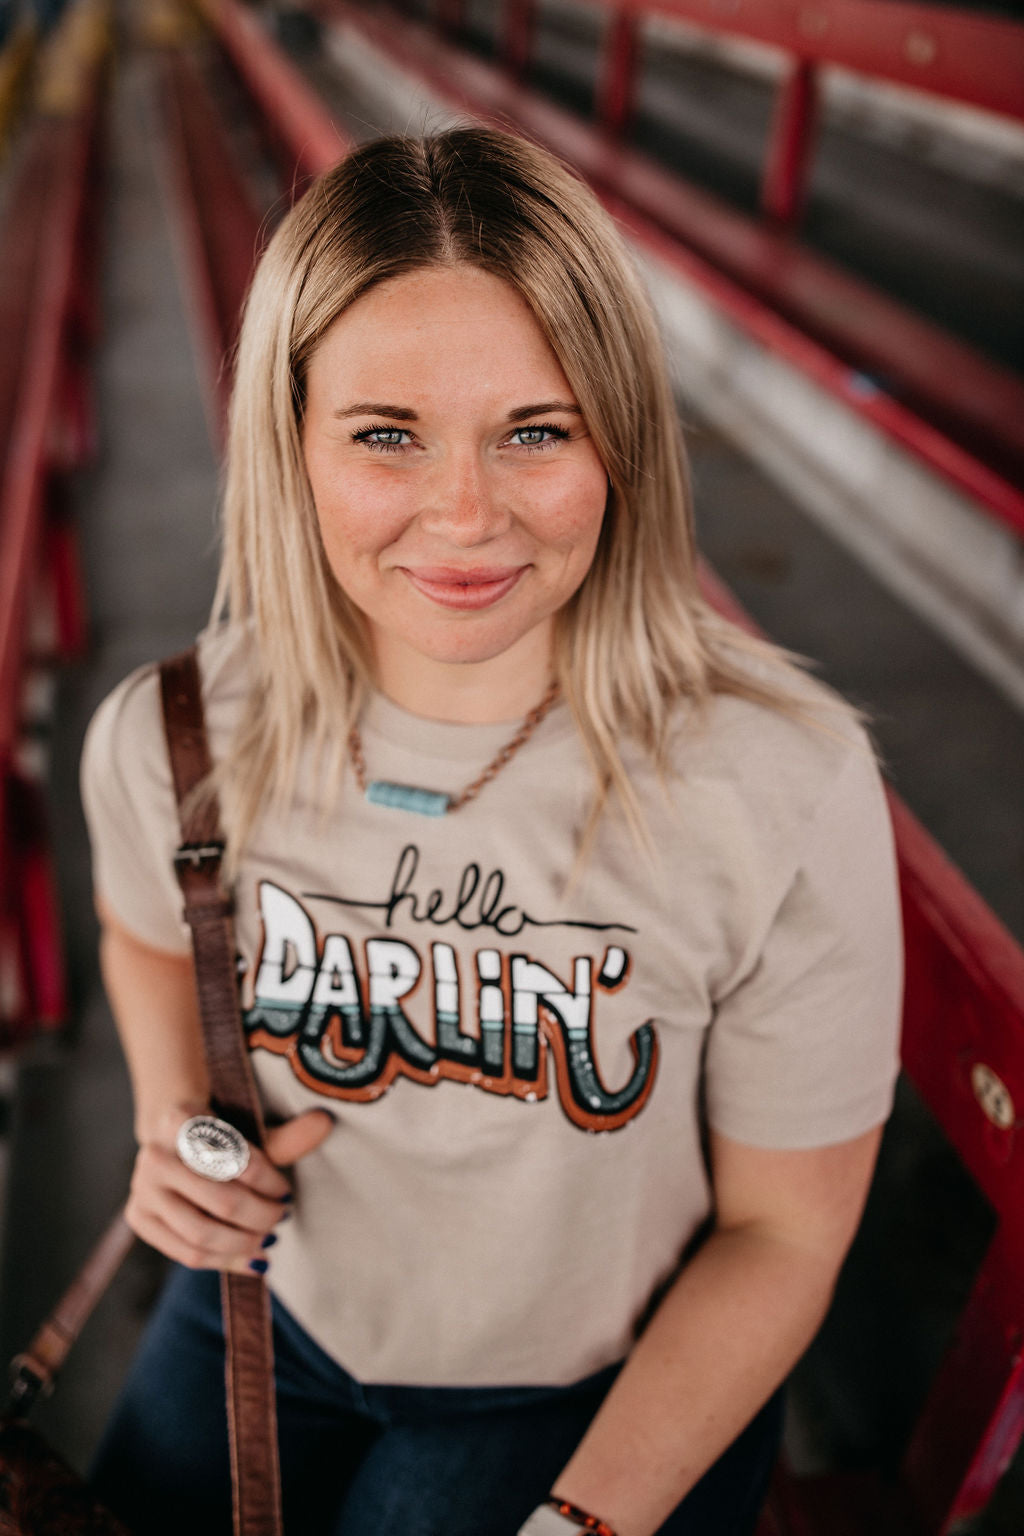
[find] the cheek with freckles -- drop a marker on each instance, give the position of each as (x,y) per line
(360,516)
(569,525)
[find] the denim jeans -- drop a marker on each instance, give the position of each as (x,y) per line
(367,1460)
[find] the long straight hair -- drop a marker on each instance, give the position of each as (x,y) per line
(636,639)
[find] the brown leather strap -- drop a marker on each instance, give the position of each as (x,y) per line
(246,1303)
(37,1366)
(252,1411)
(208,908)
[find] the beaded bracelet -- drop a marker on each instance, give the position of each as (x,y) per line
(583,1520)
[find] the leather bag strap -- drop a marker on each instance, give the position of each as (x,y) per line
(36,1368)
(245,1299)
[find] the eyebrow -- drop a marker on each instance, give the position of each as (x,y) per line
(403,413)
(545,408)
(372,408)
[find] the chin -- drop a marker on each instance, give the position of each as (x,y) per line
(466,644)
(463,655)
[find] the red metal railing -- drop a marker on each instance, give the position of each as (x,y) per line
(963,1048)
(958,56)
(220,224)
(47,319)
(955,55)
(953,409)
(222,230)
(301,131)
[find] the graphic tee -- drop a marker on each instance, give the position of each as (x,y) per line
(521,1067)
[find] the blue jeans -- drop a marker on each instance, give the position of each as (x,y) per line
(367,1460)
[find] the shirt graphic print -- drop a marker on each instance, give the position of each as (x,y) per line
(496,1018)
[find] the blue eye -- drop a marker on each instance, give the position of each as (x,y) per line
(381,439)
(544,435)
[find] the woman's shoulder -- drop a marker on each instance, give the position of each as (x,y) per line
(127,794)
(129,722)
(124,726)
(785,762)
(807,725)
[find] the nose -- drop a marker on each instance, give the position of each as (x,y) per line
(465,504)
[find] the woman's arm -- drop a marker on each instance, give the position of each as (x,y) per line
(153,998)
(728,1331)
(201,1224)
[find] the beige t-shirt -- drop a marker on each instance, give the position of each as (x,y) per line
(519,1074)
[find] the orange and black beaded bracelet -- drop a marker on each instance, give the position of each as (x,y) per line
(583,1520)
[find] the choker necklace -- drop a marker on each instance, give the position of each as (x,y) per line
(432,802)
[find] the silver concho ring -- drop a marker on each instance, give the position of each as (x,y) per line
(212,1148)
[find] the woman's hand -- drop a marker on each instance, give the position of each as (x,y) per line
(200,1223)
(208,1225)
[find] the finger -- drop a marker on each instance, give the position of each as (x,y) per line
(286,1144)
(223,1245)
(210,1242)
(260,1173)
(151,1226)
(263,1177)
(234,1202)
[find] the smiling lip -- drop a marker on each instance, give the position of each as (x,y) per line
(453,588)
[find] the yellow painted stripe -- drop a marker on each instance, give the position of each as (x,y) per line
(169,23)
(15,60)
(70,57)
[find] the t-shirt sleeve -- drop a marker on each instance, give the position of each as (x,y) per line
(131,816)
(804,1051)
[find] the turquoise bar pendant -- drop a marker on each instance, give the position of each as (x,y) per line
(403,797)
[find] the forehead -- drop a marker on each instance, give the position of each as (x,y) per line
(440,326)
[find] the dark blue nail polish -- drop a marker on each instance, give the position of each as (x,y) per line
(269,1240)
(286,1199)
(259,1266)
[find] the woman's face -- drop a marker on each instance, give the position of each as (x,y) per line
(458,492)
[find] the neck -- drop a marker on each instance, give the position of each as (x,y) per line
(503,687)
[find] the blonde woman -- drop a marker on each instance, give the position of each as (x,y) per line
(566,915)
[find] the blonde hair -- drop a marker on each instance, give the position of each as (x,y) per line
(637,638)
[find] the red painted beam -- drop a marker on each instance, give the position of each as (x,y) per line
(617,84)
(220,224)
(37,269)
(306,137)
(517,35)
(450,16)
(964,1021)
(791,146)
(973,1420)
(47,312)
(958,413)
(45,978)
(954,54)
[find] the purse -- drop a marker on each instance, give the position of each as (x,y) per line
(40,1495)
